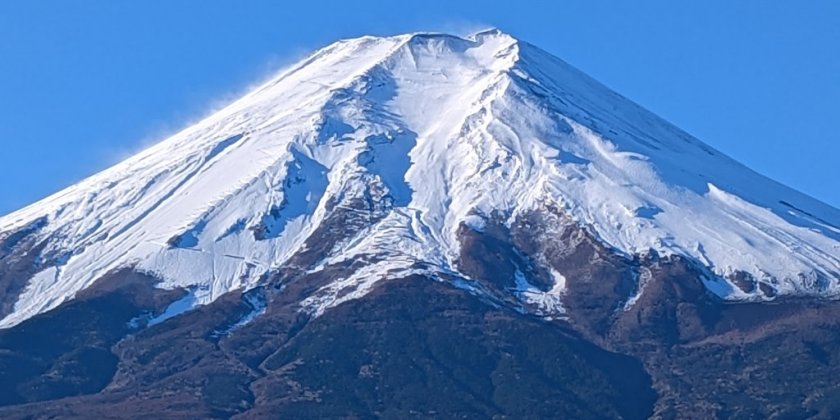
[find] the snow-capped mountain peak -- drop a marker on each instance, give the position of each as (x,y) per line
(419,136)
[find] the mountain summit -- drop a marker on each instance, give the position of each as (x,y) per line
(477,192)
(426,135)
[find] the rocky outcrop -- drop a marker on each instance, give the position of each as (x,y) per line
(542,320)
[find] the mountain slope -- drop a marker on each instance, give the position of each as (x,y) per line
(411,140)
(423,226)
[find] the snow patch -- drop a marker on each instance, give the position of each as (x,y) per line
(176,308)
(548,304)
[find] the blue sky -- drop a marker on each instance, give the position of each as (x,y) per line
(86,83)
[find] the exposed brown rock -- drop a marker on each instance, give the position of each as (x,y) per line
(424,348)
(641,336)
(19,254)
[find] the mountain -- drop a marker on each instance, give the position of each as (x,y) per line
(423,225)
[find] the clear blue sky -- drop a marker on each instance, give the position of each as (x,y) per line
(85,83)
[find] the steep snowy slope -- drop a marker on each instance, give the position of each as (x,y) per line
(432,131)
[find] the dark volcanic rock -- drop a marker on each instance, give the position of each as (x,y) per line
(67,351)
(413,348)
(639,337)
(419,348)
(19,254)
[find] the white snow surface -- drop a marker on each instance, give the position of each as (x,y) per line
(453,128)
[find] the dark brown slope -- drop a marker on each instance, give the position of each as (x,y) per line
(707,358)
(413,348)
(20,258)
(418,347)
